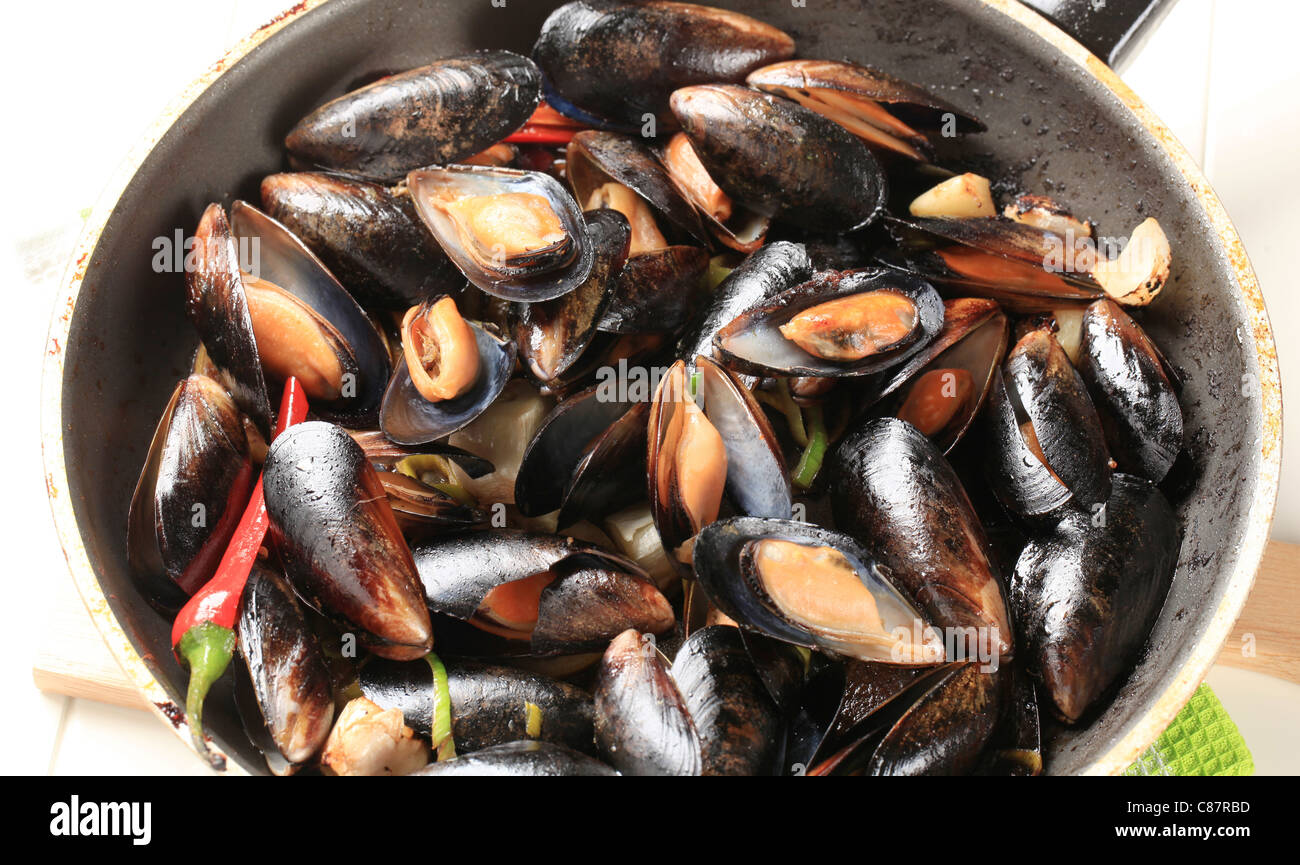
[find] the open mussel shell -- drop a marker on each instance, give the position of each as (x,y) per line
(587,460)
(421,508)
(286,671)
(941,390)
(339,541)
(884,111)
(737,722)
(867,686)
(542,274)
(408,418)
(893,490)
(1135,399)
(286,262)
(764,274)
(1087,593)
(218,308)
(1025,268)
(535,593)
(656,291)
(551,335)
(490,704)
(1047,442)
(367,234)
(754,343)
(384,453)
(752,473)
(782,160)
(433,115)
(940,726)
(746,567)
(521,760)
(642,723)
(601,68)
(196,478)
(595,158)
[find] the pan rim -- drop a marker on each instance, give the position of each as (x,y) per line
(1139,733)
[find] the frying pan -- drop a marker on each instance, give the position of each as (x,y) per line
(1060,122)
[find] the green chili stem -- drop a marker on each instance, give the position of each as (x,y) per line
(440,734)
(206,649)
(811,461)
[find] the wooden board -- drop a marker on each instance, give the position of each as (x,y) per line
(73,660)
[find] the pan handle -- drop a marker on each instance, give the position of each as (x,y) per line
(1111,29)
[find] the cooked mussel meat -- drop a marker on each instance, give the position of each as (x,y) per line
(835,325)
(812,587)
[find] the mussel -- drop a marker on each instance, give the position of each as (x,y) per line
(1048,448)
(811,587)
(766,273)
(835,325)
(451,371)
(895,493)
(292,701)
(367,234)
(517,235)
(706,435)
(941,390)
(780,159)
(340,543)
(884,111)
(529,593)
(551,335)
(433,115)
(1087,592)
(490,704)
(642,724)
(307,325)
(587,460)
(939,726)
(737,721)
(521,759)
(614,63)
(196,478)
(1134,396)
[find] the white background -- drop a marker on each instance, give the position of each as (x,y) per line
(84,79)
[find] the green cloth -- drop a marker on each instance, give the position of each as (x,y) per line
(1202,740)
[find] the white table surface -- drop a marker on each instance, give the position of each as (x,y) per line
(86,78)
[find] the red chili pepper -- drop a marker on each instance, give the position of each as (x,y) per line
(203,635)
(546,126)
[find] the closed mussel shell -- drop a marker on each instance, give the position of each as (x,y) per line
(1086,593)
(433,115)
(490,704)
(1135,399)
(737,721)
(895,493)
(643,725)
(339,541)
(286,669)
